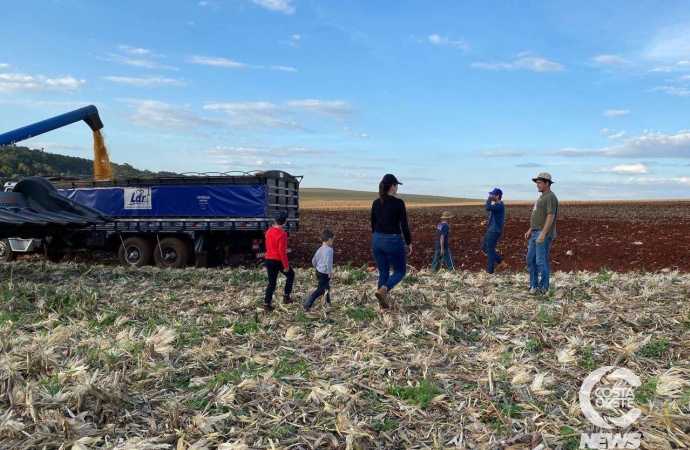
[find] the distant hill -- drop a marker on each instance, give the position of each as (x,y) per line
(19,162)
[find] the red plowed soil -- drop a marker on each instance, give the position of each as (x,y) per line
(622,236)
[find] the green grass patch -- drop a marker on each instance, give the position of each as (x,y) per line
(361,314)
(284,431)
(604,275)
(420,395)
(189,336)
(290,365)
(587,358)
(654,348)
(245,326)
(509,409)
(386,425)
(350,275)
(534,346)
(544,319)
(646,391)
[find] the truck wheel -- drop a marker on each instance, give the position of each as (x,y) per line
(135,252)
(54,252)
(6,253)
(171,252)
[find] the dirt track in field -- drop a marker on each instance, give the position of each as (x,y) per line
(621,236)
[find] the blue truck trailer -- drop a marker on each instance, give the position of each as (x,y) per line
(198,219)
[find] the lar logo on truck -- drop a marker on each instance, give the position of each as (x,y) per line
(137,198)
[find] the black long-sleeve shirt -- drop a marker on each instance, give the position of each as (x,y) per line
(390,217)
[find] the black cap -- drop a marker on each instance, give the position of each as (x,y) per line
(389,178)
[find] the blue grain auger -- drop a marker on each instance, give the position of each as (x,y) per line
(88,114)
(35,208)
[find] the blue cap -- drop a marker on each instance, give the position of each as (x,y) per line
(281,215)
(496,191)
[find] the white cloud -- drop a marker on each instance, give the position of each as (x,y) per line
(138,51)
(155,114)
(576,152)
(627,169)
(673,90)
(247,158)
(684,78)
(4,66)
(266,115)
(53,145)
(207,3)
(10,82)
(684,181)
(616,112)
(606,131)
(524,61)
(146,81)
(282,6)
(500,154)
(217,62)
(256,115)
(610,59)
(528,164)
(355,134)
(284,68)
(649,145)
(337,108)
(670,44)
(444,40)
(615,137)
(292,42)
(145,63)
(65,83)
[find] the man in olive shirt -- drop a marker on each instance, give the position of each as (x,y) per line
(542,230)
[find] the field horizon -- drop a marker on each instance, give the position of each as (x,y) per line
(327,198)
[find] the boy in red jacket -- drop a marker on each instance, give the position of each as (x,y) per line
(277,261)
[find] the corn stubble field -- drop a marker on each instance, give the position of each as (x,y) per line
(95,356)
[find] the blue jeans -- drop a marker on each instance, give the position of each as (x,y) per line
(489,247)
(538,262)
(323,287)
(389,250)
(447,260)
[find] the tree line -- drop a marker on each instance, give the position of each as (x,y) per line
(18,162)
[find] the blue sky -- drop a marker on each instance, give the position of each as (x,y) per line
(453,97)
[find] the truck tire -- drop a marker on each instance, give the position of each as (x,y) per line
(6,253)
(135,252)
(54,251)
(171,252)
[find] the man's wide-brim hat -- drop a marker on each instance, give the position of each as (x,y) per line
(447,215)
(544,176)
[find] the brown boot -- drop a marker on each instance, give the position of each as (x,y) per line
(382,297)
(287,299)
(502,266)
(268,308)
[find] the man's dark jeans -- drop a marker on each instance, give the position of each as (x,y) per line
(273,267)
(489,247)
(324,285)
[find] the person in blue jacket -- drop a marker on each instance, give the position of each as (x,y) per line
(497,214)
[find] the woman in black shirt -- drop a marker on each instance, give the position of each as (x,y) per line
(389,225)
